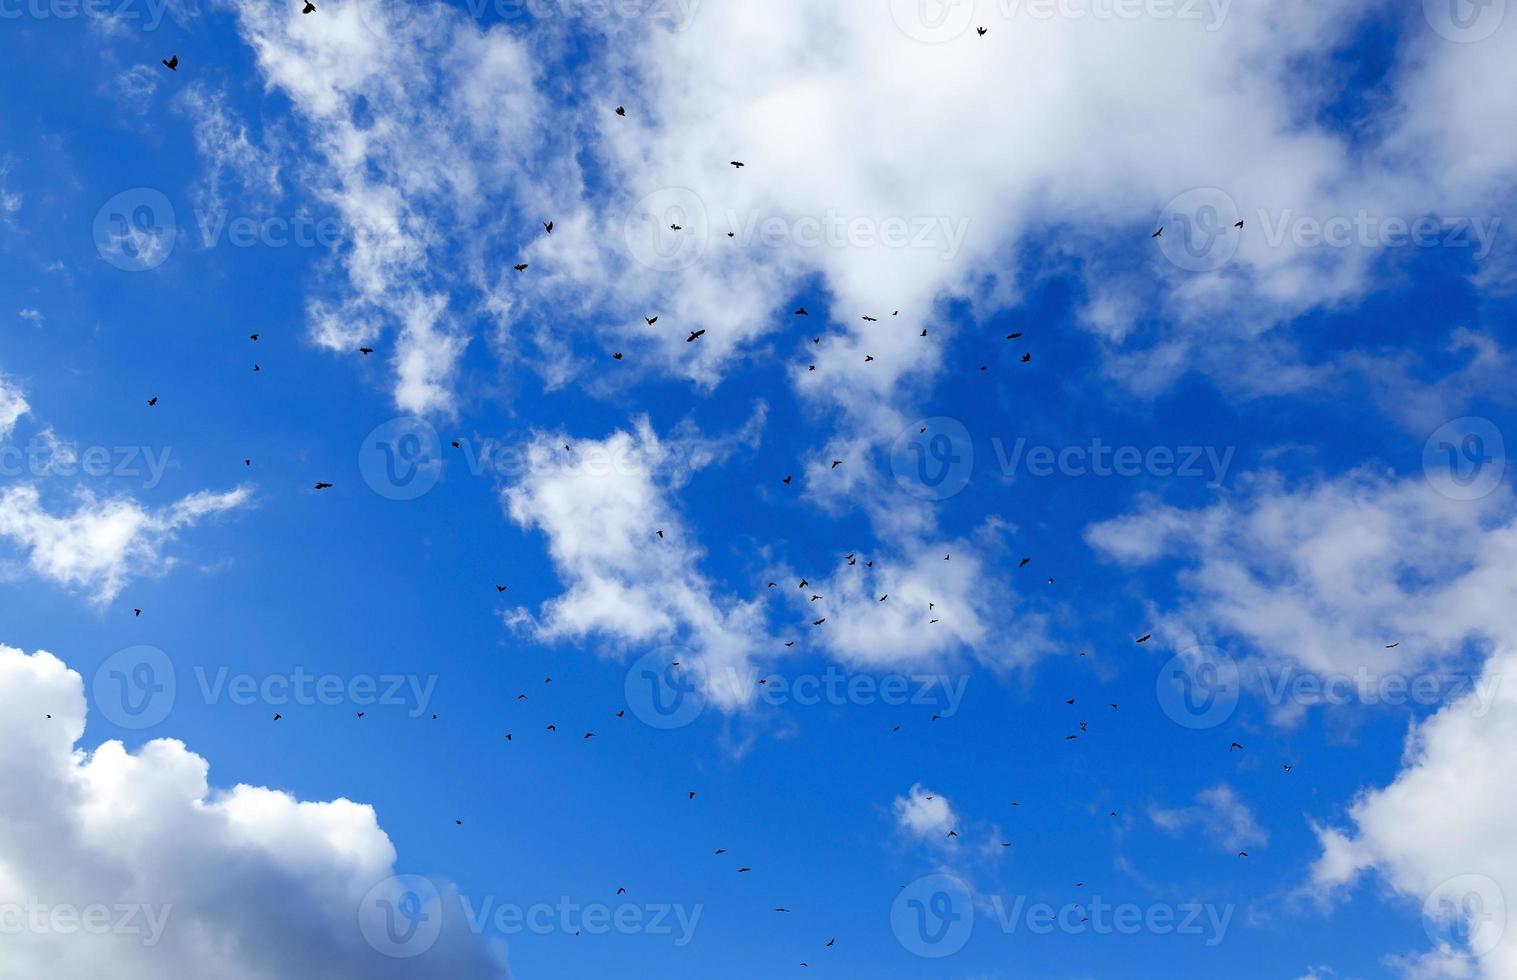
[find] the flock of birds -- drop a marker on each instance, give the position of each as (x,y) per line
(172,64)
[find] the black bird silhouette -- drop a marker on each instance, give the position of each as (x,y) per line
(365,351)
(739,164)
(309,8)
(787,480)
(617,355)
(1014,336)
(153,400)
(924,331)
(1023,562)
(694,336)
(1239,224)
(277,716)
(818,622)
(137,612)
(500,588)
(252,336)
(1157,233)
(660,534)
(1144,638)
(871,319)
(323,486)
(621,111)
(836,463)
(801,311)
(1392,646)
(520,268)
(548,225)
(650,320)
(1026,358)
(1235,745)
(172,62)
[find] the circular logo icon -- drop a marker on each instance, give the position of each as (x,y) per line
(1467,912)
(667,230)
(1465,458)
(933,916)
(402,21)
(401,459)
(1464,21)
(1198,230)
(932,21)
(135,231)
(1199,688)
(134,688)
(933,458)
(401,916)
(661,692)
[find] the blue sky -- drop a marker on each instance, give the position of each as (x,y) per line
(1278,450)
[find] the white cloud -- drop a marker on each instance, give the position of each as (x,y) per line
(34,317)
(12,406)
(103,543)
(240,884)
(1328,574)
(601,504)
(1446,818)
(925,814)
(1217,814)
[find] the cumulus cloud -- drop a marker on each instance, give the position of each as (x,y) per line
(601,503)
(925,814)
(103,542)
(1217,814)
(1440,833)
(1327,574)
(128,864)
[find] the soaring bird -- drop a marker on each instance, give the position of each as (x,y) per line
(738,164)
(309,8)
(1157,233)
(1144,638)
(548,225)
(694,336)
(982,31)
(520,268)
(153,400)
(172,62)
(621,111)
(323,486)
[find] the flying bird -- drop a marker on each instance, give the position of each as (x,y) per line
(982,31)
(738,164)
(171,62)
(1144,638)
(548,226)
(1157,233)
(309,8)
(694,336)
(520,268)
(323,486)
(621,111)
